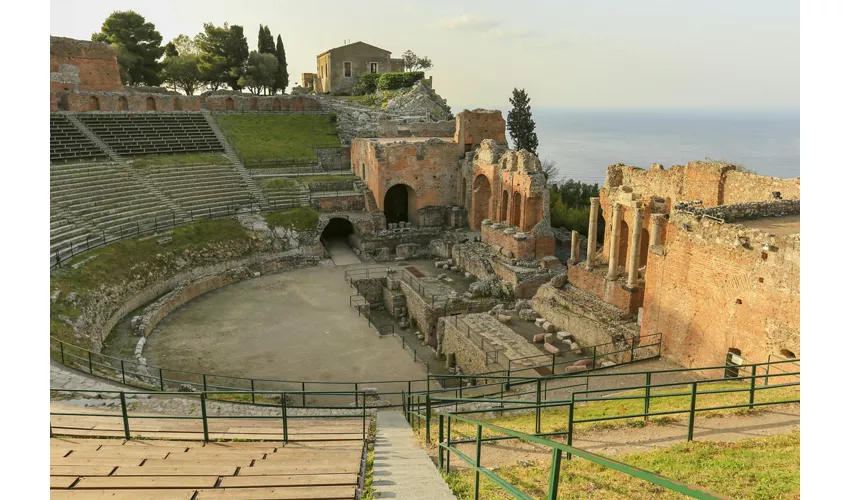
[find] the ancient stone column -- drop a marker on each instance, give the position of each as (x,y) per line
(574,250)
(655,229)
(591,232)
(634,246)
(614,247)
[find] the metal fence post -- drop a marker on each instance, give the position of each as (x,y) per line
(252,392)
(648,383)
(752,386)
(91,372)
(62,351)
(477,461)
(205,382)
(304,394)
(204,416)
(283,416)
(593,367)
(123,378)
(124,417)
(440,443)
(537,410)
(161,382)
(554,474)
(570,423)
(448,443)
(427,418)
(693,412)
(364,416)
(356,403)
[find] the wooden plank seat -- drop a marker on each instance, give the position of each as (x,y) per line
(141,482)
(128,494)
(305,493)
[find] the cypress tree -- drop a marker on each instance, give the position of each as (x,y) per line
(281,80)
(520,124)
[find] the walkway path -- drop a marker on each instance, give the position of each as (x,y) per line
(402,468)
(341,253)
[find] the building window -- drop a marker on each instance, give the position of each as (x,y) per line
(346,67)
(373,67)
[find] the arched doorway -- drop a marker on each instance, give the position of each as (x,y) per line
(503,207)
(337,229)
(252,104)
(150,104)
(228,104)
(533,212)
(62,102)
(203,102)
(644,247)
(516,210)
(481,193)
(623,249)
(400,204)
(276,105)
(122,104)
(178,104)
(94,103)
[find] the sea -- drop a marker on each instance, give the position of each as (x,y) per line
(582,143)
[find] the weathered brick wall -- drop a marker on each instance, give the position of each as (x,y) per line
(391,128)
(743,187)
(394,299)
(421,312)
(706,292)
(82,102)
(472,127)
(469,357)
(372,289)
(611,292)
(752,210)
(239,102)
(82,65)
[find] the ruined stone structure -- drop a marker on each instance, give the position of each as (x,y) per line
(338,69)
(703,253)
(78,65)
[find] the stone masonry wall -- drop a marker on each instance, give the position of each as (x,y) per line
(716,286)
(468,356)
(752,210)
(371,289)
(82,65)
(612,292)
(131,101)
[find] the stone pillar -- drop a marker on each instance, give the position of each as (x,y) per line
(614,247)
(574,250)
(655,229)
(634,246)
(591,232)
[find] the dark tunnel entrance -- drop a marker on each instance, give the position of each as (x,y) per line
(337,229)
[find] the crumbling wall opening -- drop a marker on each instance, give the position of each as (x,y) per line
(400,204)
(788,354)
(253,104)
(94,103)
(533,212)
(276,105)
(481,193)
(150,104)
(122,104)
(62,102)
(622,250)
(644,247)
(178,104)
(503,207)
(463,193)
(516,210)
(228,104)
(733,360)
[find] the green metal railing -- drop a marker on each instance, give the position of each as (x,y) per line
(285,417)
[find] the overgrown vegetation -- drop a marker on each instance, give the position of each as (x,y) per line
(767,467)
(393,81)
(300,218)
(326,178)
(569,205)
(181,159)
(280,136)
(279,184)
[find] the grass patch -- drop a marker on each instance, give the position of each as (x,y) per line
(767,467)
(368,488)
(326,178)
(301,218)
(555,419)
(279,136)
(180,159)
(280,184)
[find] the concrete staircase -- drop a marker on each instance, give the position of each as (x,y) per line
(402,468)
(255,190)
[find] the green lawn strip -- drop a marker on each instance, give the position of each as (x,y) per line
(326,178)
(180,159)
(301,218)
(279,136)
(555,419)
(280,184)
(765,467)
(116,263)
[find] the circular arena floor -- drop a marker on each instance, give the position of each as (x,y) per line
(295,325)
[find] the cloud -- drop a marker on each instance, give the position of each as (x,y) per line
(491,28)
(468,23)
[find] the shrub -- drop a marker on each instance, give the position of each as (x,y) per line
(368,82)
(392,81)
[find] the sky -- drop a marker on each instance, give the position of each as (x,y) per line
(616,54)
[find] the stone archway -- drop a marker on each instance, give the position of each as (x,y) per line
(516,210)
(228,104)
(94,103)
(400,204)
(481,193)
(337,228)
(503,207)
(150,104)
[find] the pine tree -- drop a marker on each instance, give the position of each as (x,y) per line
(281,80)
(520,124)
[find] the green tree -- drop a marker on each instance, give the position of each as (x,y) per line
(281,78)
(137,46)
(265,41)
(412,62)
(259,72)
(223,54)
(520,124)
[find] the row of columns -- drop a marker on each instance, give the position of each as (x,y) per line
(614,240)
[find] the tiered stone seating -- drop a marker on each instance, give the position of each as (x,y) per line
(206,189)
(135,134)
(296,196)
(101,197)
(67,143)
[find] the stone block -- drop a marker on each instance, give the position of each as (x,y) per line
(607,364)
(583,362)
(504,318)
(551,349)
(563,335)
(539,338)
(408,250)
(527,314)
(548,327)
(382,254)
(574,369)
(550,262)
(559,281)
(539,322)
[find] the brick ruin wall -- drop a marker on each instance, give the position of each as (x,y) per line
(392,128)
(472,127)
(77,65)
(712,287)
(469,357)
(226,101)
(610,292)
(83,102)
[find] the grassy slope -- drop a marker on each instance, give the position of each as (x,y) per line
(272,136)
(302,218)
(181,159)
(756,468)
(555,420)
